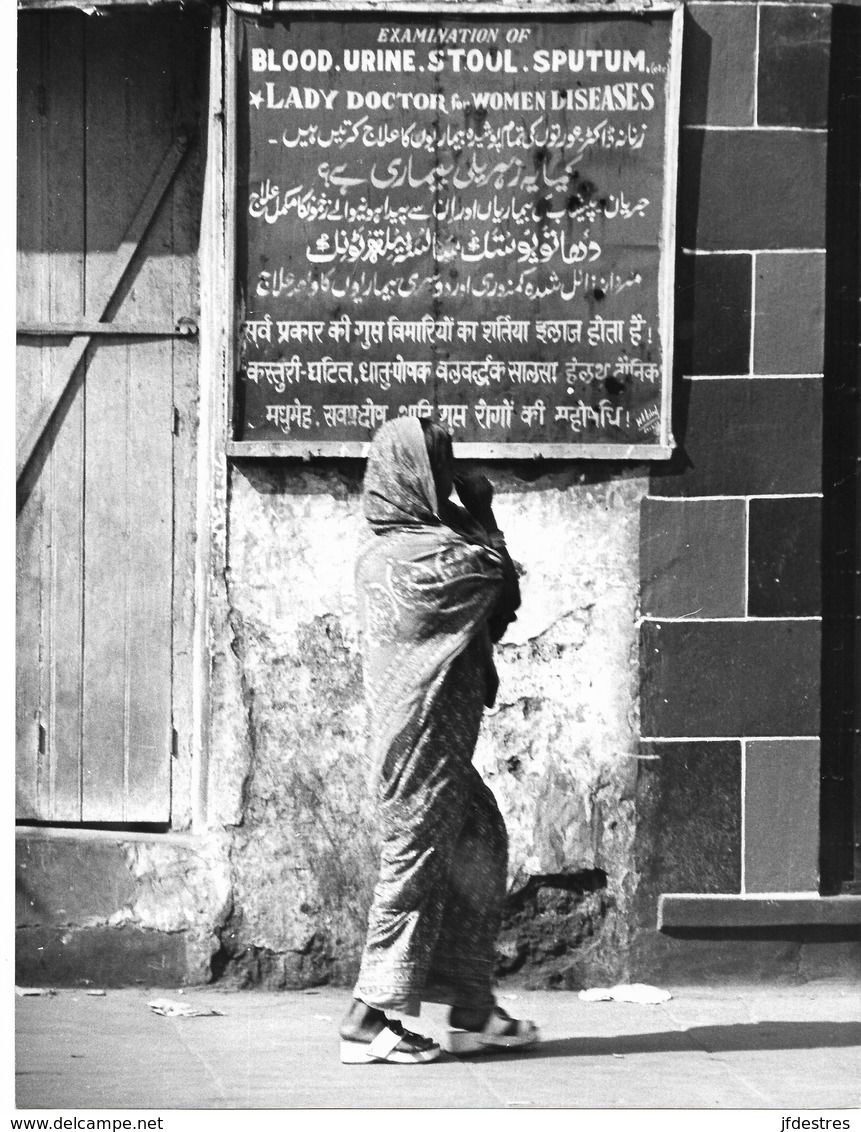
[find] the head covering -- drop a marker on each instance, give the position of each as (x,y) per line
(400,490)
(399,487)
(424,589)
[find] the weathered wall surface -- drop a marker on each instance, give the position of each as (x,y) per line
(114,910)
(601,820)
(719,794)
(303,838)
(559,750)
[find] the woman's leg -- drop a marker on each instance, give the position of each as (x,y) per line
(463,959)
(419,819)
(408,903)
(426,802)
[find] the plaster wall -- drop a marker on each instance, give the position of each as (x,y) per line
(559,750)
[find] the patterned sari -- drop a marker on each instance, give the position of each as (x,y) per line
(426,588)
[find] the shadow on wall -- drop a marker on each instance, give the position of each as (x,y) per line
(690,294)
(342,477)
(548,926)
(841,505)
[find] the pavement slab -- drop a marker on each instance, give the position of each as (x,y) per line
(711,1048)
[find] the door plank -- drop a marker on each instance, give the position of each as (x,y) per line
(127,714)
(32,798)
(50,285)
(170,293)
(106,643)
(190,52)
(150,442)
(65,466)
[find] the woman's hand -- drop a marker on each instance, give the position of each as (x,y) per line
(476,494)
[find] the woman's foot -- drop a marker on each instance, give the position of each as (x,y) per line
(464,1018)
(475,1030)
(368,1035)
(361,1023)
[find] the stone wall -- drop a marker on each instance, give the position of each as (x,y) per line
(658,723)
(721,794)
(728,796)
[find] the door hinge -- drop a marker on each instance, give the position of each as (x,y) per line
(174,744)
(175,423)
(42,742)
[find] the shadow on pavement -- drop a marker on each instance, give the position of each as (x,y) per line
(749,1037)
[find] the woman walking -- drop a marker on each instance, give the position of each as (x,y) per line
(436,586)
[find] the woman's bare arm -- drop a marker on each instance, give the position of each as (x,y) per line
(476,494)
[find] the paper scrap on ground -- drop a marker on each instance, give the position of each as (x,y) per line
(626,992)
(170,1009)
(595,994)
(97,993)
(33,992)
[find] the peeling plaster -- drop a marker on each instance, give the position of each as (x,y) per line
(558,751)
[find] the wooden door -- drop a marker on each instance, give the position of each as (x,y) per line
(105,504)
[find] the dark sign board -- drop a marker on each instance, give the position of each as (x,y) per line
(465,216)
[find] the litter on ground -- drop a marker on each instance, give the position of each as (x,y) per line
(170,1009)
(626,992)
(33,992)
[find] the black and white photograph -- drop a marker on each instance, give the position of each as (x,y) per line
(438,563)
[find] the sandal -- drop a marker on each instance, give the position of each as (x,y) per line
(499,1032)
(383,1047)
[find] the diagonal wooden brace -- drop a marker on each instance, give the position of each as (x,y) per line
(102,300)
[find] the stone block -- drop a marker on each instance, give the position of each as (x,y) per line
(99,957)
(73,886)
(807,913)
(688,818)
(784,553)
(713,314)
(67,881)
(789,321)
(718,65)
(664,960)
(794,55)
(728,678)
(692,557)
(781,816)
(752,189)
(744,437)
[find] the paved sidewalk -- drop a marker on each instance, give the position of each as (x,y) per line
(733,1047)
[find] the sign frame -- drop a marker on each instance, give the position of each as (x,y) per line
(237,9)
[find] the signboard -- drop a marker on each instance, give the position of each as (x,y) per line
(465,216)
